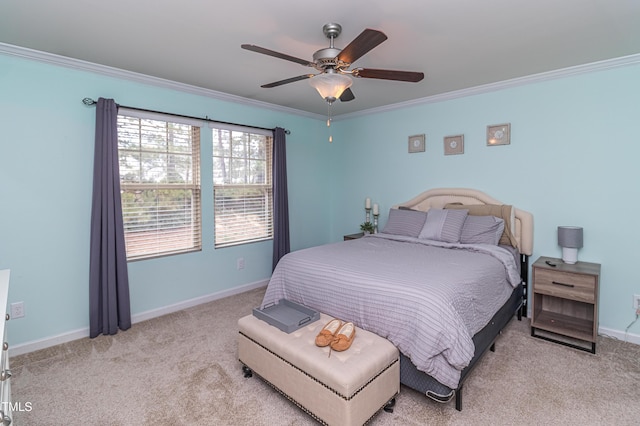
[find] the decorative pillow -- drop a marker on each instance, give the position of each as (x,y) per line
(443,225)
(503,211)
(405,222)
(482,230)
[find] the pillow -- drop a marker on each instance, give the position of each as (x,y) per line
(405,222)
(503,211)
(482,230)
(443,225)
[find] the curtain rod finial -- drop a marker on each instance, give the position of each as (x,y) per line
(88,101)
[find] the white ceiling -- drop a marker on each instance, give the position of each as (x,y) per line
(458,44)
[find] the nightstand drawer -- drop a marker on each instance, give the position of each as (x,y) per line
(565,284)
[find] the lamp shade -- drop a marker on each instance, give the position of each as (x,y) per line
(570,236)
(330,85)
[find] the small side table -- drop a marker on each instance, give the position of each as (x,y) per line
(354,236)
(565,301)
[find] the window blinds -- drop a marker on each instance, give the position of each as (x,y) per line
(242,182)
(160,184)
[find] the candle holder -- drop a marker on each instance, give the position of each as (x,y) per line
(368,216)
(375,223)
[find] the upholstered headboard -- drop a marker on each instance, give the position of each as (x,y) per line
(522,226)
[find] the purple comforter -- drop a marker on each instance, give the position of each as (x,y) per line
(428,298)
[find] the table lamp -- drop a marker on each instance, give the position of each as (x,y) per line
(570,239)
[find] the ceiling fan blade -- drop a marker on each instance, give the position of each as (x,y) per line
(287,81)
(410,76)
(367,40)
(347,95)
(275,54)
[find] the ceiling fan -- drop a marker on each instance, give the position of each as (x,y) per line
(333,81)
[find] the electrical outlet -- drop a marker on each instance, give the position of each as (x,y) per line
(636,301)
(17,310)
(240,263)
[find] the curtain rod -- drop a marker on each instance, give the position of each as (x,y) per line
(91,102)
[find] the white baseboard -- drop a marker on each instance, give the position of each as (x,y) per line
(620,335)
(143,316)
(47,342)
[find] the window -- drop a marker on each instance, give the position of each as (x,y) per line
(160,184)
(242,190)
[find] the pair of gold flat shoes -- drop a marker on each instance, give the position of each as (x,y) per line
(337,335)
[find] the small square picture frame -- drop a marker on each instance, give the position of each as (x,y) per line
(454,145)
(416,143)
(499,134)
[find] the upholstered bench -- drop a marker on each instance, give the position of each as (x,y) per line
(346,388)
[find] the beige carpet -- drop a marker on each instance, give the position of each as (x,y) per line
(182,369)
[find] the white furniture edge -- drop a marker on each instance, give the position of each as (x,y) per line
(6,403)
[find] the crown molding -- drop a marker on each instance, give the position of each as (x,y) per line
(78,64)
(506,84)
(81,65)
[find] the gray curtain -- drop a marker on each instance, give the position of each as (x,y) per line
(280,197)
(109,306)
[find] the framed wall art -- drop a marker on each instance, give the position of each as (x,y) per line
(499,134)
(416,143)
(454,145)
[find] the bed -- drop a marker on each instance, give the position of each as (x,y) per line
(442,279)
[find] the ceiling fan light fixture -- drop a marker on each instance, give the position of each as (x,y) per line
(330,85)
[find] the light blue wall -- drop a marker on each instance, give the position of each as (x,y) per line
(573,160)
(46,163)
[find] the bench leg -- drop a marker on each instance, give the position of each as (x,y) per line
(388,408)
(247,372)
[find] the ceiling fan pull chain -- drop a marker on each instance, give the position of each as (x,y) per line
(329,120)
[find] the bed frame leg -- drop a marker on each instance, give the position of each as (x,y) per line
(459,399)
(492,348)
(524,267)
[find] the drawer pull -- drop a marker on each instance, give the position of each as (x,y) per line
(7,317)
(5,346)
(6,374)
(562,284)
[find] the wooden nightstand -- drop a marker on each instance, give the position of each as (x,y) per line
(565,301)
(353,236)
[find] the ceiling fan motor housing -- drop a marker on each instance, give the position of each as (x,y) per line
(326,57)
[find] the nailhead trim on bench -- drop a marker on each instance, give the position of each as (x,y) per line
(346,398)
(303,408)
